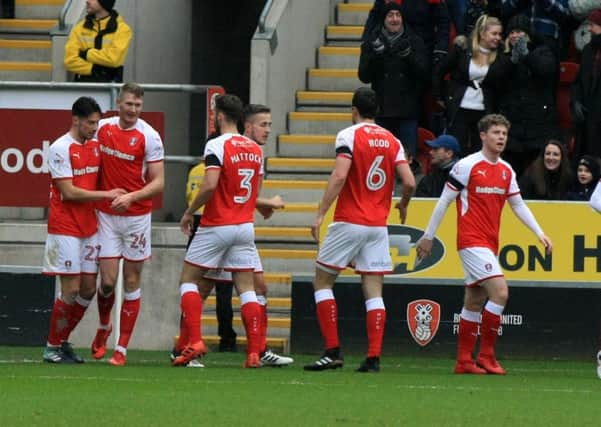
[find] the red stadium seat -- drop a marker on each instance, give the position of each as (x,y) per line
(567,75)
(423,151)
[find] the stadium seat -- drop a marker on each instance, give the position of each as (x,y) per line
(423,151)
(567,75)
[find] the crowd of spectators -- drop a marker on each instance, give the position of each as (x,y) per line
(462,59)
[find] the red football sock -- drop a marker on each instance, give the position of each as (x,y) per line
(191,306)
(129,314)
(59,322)
(376,320)
(105,306)
(327,315)
(184,336)
(263,334)
(252,318)
(468,334)
(489,333)
(76,312)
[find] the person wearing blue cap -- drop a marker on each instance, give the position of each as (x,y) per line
(444,154)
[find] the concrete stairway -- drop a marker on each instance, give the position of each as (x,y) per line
(25,46)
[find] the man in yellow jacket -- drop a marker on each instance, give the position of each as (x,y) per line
(97,46)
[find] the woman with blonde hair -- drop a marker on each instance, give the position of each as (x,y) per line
(476,71)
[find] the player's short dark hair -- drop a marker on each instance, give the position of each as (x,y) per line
(253,109)
(231,106)
(366,102)
(491,120)
(84,107)
(133,88)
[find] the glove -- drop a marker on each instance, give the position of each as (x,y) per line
(378,47)
(520,50)
(83,54)
(402,48)
(579,112)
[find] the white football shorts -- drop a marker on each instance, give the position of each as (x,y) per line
(69,255)
(220,275)
(479,264)
(364,247)
(124,236)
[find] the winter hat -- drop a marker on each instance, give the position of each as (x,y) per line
(391,6)
(595,17)
(591,164)
(519,22)
(107,4)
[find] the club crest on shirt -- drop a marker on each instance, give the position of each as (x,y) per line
(423,320)
(504,175)
(488,267)
(133,141)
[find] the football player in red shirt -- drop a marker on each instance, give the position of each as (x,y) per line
(481,182)
(72,247)
(132,157)
(367,158)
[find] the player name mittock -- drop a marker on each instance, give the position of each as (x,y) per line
(87,169)
(117,153)
(490,190)
(249,157)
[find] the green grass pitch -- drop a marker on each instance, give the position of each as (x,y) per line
(407,392)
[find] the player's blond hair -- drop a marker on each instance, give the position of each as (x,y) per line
(133,88)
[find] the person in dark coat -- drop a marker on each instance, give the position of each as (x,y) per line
(527,98)
(549,177)
(444,153)
(393,59)
(477,69)
(586,93)
(588,173)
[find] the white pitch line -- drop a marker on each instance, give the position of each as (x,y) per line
(314,384)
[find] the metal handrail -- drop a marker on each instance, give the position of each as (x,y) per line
(263,17)
(62,24)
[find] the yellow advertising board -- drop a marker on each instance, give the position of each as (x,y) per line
(574,228)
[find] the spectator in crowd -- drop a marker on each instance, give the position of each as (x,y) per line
(444,153)
(477,71)
(393,59)
(527,98)
(97,46)
(588,173)
(551,20)
(429,19)
(586,92)
(549,177)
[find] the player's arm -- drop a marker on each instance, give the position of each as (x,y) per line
(266,206)
(523,212)
(207,187)
(595,201)
(154,186)
(72,193)
(404,173)
(424,244)
(335,184)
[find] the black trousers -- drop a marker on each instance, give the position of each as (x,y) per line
(465,129)
(223,294)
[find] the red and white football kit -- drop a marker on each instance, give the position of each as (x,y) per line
(358,233)
(125,156)
(225,237)
(71,246)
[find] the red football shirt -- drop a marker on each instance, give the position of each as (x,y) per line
(241,162)
(125,155)
(69,159)
(366,195)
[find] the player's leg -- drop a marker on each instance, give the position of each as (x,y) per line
(250,311)
(469,324)
(267,357)
(59,321)
(375,321)
(498,293)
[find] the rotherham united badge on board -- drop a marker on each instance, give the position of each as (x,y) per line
(423,319)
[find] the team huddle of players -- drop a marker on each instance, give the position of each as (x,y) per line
(105,172)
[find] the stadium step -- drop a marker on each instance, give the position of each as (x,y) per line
(273,321)
(283,234)
(300,165)
(33,71)
(352,13)
(27,26)
(294,190)
(334,79)
(291,260)
(322,101)
(292,215)
(338,57)
(38,9)
(25,50)
(273,303)
(319,146)
(342,35)
(317,123)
